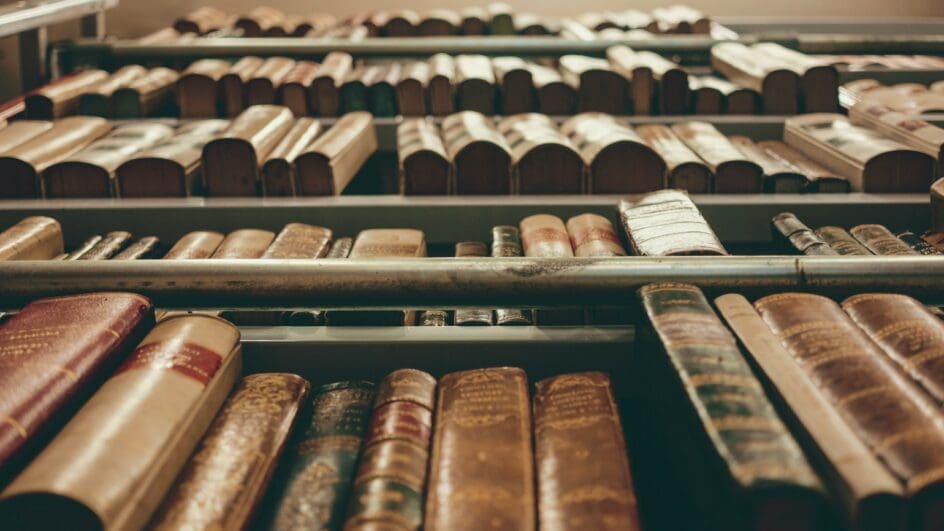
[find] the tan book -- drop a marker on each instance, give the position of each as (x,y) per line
(195,245)
(881,241)
(143,248)
(32,238)
(685,170)
(440,88)
(293,89)
(475,84)
(794,236)
(21,131)
(544,160)
(97,101)
(329,163)
(638,73)
(706,99)
(545,236)
(261,87)
(841,241)
(411,88)
(148,95)
(909,130)
(325,96)
(424,165)
(260,21)
(733,172)
(779,175)
(593,235)
(555,97)
(278,169)
(439,22)
(244,243)
(163,36)
(819,81)
(107,247)
(232,85)
(667,223)
(599,87)
(232,161)
(299,241)
(480,155)
(198,87)
(61,98)
(573,30)
(734,99)
(778,85)
(201,20)
(672,93)
(515,84)
(821,179)
(111,465)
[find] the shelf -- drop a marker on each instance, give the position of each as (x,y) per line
(765,25)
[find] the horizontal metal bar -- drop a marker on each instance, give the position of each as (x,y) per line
(765,25)
(24,16)
(458,282)
(864,43)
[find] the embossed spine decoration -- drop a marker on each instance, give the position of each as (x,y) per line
(481,468)
(584,480)
(505,243)
(225,480)
(320,469)
(391,476)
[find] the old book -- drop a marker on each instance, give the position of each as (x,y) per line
(340,248)
(544,160)
(734,99)
(391,473)
(231,162)
(733,431)
(83,248)
(841,241)
(818,80)
(327,166)
(500,19)
(555,97)
(61,98)
(424,164)
(672,93)
(439,22)
(890,414)
(917,243)
(381,82)
(195,245)
(881,241)
(667,223)
(432,318)
(353,89)
(618,159)
(294,88)
(20,131)
(472,316)
(202,20)
(705,99)
(244,243)
(172,167)
(473,20)
(111,465)
(900,126)
(684,169)
(779,175)
(259,21)
(146,247)
(778,85)
(148,95)
(411,88)
(481,444)
(232,85)
(545,236)
(870,497)
(110,245)
(507,243)
(225,480)
(593,235)
(440,89)
(793,235)
(599,87)
(480,155)
(32,238)
(515,84)
(97,100)
(261,86)
(638,73)
(475,84)
(576,414)
(299,241)
(733,172)
(198,86)
(821,179)
(83,338)
(278,168)
(90,172)
(21,166)
(325,96)
(316,482)
(397,23)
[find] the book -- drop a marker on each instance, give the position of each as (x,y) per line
(618,160)
(544,160)
(733,172)
(917,243)
(32,238)
(97,100)
(820,178)
(501,19)
(260,88)
(325,96)
(680,19)
(841,241)
(232,92)
(82,339)
(473,20)
(111,465)
(15,133)
(638,73)
(903,127)
(899,423)
(779,175)
(507,243)
(90,172)
(110,245)
(224,481)
(329,164)
(61,98)
(381,82)
(195,245)
(599,87)
(399,23)
(880,240)
(21,166)
(439,22)
(545,236)
(871,162)
(83,248)
(172,167)
(142,248)
(411,88)
(869,496)
(554,96)
(706,98)
(300,242)
(481,447)
(231,162)
(672,93)
(667,223)
(424,164)
(244,243)
(472,316)
(818,80)
(202,20)
(315,485)
(148,95)
(440,88)
(278,168)
(576,415)
(198,86)
(340,248)
(480,155)
(778,85)
(593,235)
(794,235)
(391,473)
(735,99)
(515,84)
(293,89)
(259,21)
(474,84)
(684,169)
(741,467)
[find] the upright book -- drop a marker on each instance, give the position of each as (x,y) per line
(733,171)
(480,155)
(544,160)
(599,87)
(424,164)
(685,170)
(278,168)
(327,166)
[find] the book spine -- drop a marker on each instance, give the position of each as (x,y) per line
(341,248)
(841,241)
(244,243)
(433,318)
(579,410)
(298,240)
(593,235)
(195,245)
(320,467)
(506,243)
(107,247)
(33,238)
(798,236)
(918,244)
(472,316)
(881,241)
(145,247)
(85,247)
(545,236)
(481,467)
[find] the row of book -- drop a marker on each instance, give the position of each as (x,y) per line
(862,240)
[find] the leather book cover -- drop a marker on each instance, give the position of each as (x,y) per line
(841,241)
(439,22)
(261,87)
(481,467)
(870,498)
(325,98)
(887,410)
(329,164)
(599,87)
(293,90)
(195,245)
(83,337)
(15,133)
(733,172)
(507,243)
(278,170)
(515,84)
(96,100)
(684,169)
(149,95)
(672,94)
(642,87)
(315,483)
(544,160)
(226,478)
(819,81)
(441,85)
(299,241)
(472,316)
(107,247)
(340,248)
(545,236)
(198,87)
(821,179)
(232,96)
(111,465)
(353,89)
(593,235)
(473,21)
(917,243)
(83,248)
(381,83)
(32,238)
(667,223)
(424,164)
(584,479)
(778,85)
(202,20)
(480,155)
(260,21)
(244,243)
(475,84)
(735,99)
(61,98)
(881,241)
(554,96)
(721,421)
(143,248)
(411,89)
(793,235)
(232,161)
(706,99)
(780,177)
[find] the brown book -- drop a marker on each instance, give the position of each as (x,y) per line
(881,241)
(278,168)
(819,81)
(260,20)
(15,133)
(195,245)
(900,126)
(934,238)
(145,96)
(432,318)
(424,165)
(229,467)
(544,160)
(21,166)
(325,95)
(61,98)
(684,169)
(638,73)
(480,155)
(515,84)
(481,446)
(779,176)
(399,23)
(918,244)
(329,164)
(97,100)
(733,172)
(618,159)
(706,99)
(507,243)
(821,179)
(299,241)
(146,247)
(411,88)
(599,87)
(107,247)
(870,497)
(472,316)
(573,30)
(475,84)
(440,88)
(244,243)
(576,414)
(198,86)
(474,21)
(889,413)
(83,338)
(545,236)
(170,168)
(794,235)
(593,235)
(778,85)
(554,96)
(231,162)
(260,88)
(232,85)
(667,223)
(201,20)
(293,90)
(671,82)
(734,99)
(90,172)
(83,248)
(439,22)
(32,238)
(841,241)
(134,434)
